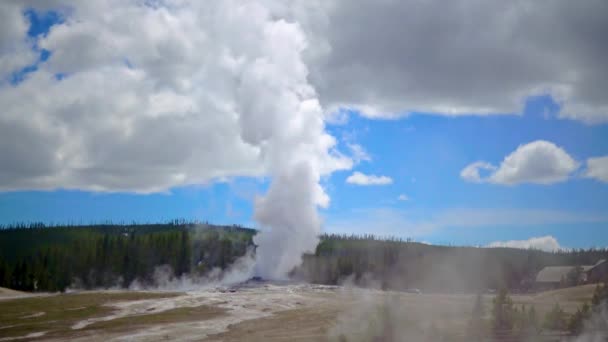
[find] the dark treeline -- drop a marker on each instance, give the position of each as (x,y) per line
(42,258)
(398,264)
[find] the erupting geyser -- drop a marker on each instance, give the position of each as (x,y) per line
(280,113)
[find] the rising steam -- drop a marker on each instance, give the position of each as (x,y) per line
(280,113)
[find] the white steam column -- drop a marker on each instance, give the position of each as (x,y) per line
(280,113)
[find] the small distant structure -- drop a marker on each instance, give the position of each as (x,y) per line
(553,277)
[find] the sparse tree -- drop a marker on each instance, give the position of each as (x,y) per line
(532,322)
(477,324)
(502,313)
(577,321)
(556,319)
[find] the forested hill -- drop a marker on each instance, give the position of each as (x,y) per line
(398,264)
(41,258)
(37,257)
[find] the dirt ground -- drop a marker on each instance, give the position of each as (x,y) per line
(360,315)
(9,294)
(259,312)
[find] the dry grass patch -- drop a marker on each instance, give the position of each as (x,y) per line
(308,324)
(56,314)
(184,314)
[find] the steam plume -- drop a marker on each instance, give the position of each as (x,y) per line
(281,114)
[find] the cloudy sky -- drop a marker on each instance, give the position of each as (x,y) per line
(472,122)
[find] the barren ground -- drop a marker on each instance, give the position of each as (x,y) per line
(12,294)
(258,312)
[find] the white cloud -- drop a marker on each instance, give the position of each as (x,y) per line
(358,154)
(597,168)
(191,105)
(403,197)
(539,162)
(15,51)
(210,91)
(167,93)
(544,243)
(419,57)
(359,178)
(471,172)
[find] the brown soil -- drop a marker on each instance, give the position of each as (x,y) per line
(8,293)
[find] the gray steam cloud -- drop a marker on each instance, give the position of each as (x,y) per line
(390,58)
(164,278)
(594,328)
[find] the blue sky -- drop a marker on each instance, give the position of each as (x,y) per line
(423,154)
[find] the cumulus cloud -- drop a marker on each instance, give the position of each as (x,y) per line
(15,50)
(358,153)
(471,172)
(544,243)
(153,93)
(597,168)
(403,197)
(157,95)
(466,57)
(540,162)
(359,178)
